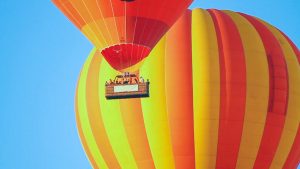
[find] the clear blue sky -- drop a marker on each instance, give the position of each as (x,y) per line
(41,56)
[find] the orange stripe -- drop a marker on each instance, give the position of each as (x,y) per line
(93,109)
(70,12)
(278,98)
(233,89)
(293,159)
(179,92)
(80,132)
(132,115)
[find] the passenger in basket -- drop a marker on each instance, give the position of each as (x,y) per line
(136,81)
(142,79)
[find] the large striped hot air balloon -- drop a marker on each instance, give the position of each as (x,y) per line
(225,94)
(125,31)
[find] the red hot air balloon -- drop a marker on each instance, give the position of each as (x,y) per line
(125,31)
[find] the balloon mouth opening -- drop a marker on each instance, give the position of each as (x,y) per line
(124,56)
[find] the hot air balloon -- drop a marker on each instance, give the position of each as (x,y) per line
(125,31)
(225,94)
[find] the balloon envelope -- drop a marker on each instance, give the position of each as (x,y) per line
(224,93)
(125,31)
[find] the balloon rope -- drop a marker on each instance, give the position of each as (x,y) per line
(134,31)
(116,26)
(125,25)
(139,54)
(92,31)
(104,21)
(97,27)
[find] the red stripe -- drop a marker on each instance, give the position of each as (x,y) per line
(278,98)
(233,90)
(180,102)
(294,156)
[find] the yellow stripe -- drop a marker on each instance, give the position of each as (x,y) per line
(80,132)
(82,8)
(206,90)
(90,34)
(94,35)
(154,109)
(257,91)
(293,112)
(83,142)
(83,115)
(113,122)
(107,25)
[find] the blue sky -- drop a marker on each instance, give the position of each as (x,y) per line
(41,56)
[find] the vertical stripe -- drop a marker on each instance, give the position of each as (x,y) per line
(132,115)
(83,115)
(277,99)
(96,15)
(257,91)
(113,122)
(293,159)
(83,141)
(93,106)
(80,133)
(206,88)
(296,50)
(88,32)
(293,113)
(85,14)
(179,91)
(155,111)
(233,90)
